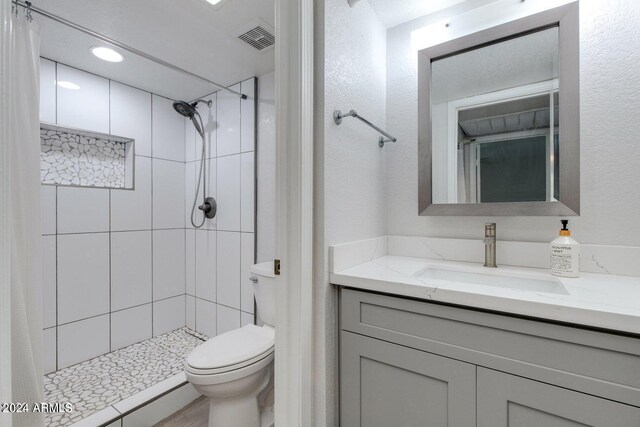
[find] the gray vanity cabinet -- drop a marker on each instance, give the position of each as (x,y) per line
(384,384)
(412,363)
(509,401)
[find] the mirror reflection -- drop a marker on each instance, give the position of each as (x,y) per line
(496,123)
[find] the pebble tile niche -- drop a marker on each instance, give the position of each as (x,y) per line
(79,158)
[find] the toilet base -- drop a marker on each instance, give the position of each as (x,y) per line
(241,403)
(241,412)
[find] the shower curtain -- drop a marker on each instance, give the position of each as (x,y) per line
(20,275)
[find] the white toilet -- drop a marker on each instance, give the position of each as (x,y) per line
(235,369)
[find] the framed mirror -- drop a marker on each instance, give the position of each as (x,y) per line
(499,125)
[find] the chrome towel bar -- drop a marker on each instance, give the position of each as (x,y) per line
(338,116)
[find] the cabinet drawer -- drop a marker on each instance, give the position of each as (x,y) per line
(592,362)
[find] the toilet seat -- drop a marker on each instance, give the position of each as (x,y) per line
(232,350)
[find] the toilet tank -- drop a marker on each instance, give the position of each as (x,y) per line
(264,286)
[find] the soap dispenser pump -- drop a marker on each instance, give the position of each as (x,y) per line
(565,254)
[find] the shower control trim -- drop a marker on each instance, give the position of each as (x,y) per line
(209,207)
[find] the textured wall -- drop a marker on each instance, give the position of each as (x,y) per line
(350,201)
(610,102)
(355,205)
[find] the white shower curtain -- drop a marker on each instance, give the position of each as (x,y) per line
(20,278)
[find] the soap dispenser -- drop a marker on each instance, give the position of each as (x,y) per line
(565,254)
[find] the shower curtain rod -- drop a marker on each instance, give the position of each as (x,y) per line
(121,45)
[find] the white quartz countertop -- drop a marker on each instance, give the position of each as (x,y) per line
(595,300)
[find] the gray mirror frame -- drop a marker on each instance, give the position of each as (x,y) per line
(566,17)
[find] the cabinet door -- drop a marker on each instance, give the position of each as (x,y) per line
(507,400)
(384,384)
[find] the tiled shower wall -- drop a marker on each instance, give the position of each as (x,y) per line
(219,295)
(113,260)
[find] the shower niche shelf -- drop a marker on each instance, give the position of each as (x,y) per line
(80,158)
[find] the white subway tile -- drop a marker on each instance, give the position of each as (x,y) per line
(247,189)
(83,210)
(228,319)
(190,262)
(248,115)
(48,209)
(168,130)
(228,193)
(206,249)
(130,326)
(247,258)
(49,350)
(83,340)
(168,315)
(131,209)
(130,269)
(190,136)
(190,312)
(206,317)
(210,129)
(131,116)
(210,177)
(228,122)
(246,319)
(228,269)
(48,281)
(83,276)
(168,263)
(86,107)
(47,91)
(190,182)
(168,194)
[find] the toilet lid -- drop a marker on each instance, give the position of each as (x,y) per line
(232,348)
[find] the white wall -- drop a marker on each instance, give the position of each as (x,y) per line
(113,260)
(266,154)
(610,102)
(350,198)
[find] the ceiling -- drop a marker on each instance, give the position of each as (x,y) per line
(395,12)
(191,34)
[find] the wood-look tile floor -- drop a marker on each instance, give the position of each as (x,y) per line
(196,414)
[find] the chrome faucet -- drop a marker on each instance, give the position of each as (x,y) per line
(490,245)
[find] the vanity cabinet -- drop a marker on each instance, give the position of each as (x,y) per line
(413,363)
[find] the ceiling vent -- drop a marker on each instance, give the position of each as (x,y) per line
(258,34)
(258,37)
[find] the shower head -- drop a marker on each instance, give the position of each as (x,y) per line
(185,109)
(189,109)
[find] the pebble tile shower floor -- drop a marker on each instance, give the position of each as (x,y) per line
(108,379)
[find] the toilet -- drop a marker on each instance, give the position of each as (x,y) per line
(234,370)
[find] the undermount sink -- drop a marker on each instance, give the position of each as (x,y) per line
(500,281)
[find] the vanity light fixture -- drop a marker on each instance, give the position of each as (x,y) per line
(67,85)
(107,54)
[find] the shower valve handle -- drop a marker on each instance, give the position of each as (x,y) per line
(209,207)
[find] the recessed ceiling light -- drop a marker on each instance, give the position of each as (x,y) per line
(107,54)
(68,85)
(213,2)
